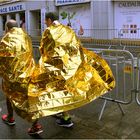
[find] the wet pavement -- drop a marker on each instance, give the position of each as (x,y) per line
(113,124)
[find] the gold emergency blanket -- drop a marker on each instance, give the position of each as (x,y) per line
(67,76)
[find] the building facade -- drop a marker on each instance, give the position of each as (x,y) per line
(126,18)
(89,18)
(29,14)
(76,14)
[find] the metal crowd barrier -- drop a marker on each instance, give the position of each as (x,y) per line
(137,90)
(98,33)
(133,33)
(126,70)
(134,49)
(125,33)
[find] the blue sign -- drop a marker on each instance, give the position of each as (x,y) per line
(65,2)
(9,9)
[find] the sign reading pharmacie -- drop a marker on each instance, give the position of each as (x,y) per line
(12,8)
(67,2)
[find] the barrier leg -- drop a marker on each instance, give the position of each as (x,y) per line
(123,113)
(102,110)
(137,97)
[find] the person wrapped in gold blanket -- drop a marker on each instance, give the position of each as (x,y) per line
(67,77)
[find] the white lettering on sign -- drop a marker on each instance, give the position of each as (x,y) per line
(14,8)
(129,4)
(66,2)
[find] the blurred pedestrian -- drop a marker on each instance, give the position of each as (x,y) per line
(16,68)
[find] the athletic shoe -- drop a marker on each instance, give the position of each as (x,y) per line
(36,129)
(9,121)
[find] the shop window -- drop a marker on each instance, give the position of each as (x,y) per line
(13,16)
(4,21)
(133,28)
(22,20)
(39,14)
(125,29)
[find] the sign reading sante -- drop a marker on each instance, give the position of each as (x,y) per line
(12,8)
(67,2)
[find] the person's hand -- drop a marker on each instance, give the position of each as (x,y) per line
(41,51)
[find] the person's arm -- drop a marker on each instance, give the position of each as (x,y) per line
(44,41)
(4,50)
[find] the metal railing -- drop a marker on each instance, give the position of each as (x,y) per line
(133,33)
(98,33)
(34,32)
(126,70)
(137,90)
(111,33)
